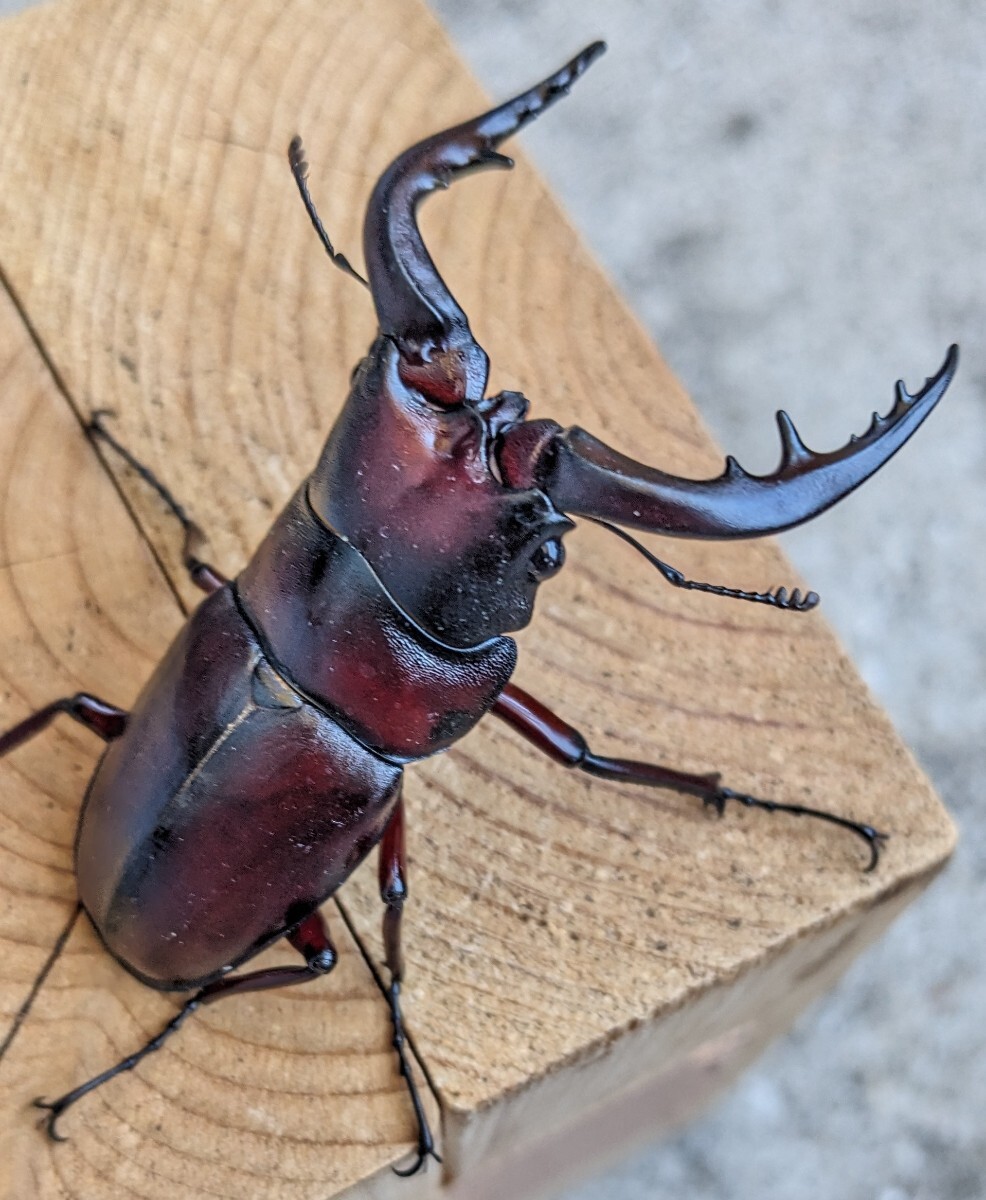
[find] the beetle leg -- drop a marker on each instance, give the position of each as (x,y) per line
(393,892)
(202,574)
(392,873)
(311,938)
(560,741)
(105,719)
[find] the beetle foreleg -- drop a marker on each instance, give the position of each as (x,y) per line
(566,745)
(393,892)
(105,719)
(311,938)
(202,574)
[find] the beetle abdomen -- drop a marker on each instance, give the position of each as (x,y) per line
(229,809)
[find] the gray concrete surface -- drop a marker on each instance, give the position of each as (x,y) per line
(790,194)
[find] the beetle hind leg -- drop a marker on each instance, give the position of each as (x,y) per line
(201,573)
(393,892)
(55,1108)
(310,938)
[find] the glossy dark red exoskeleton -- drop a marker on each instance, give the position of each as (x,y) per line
(369,629)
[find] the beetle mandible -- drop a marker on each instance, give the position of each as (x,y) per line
(417,543)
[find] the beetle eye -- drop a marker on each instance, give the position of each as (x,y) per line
(547,560)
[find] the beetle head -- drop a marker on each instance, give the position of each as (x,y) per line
(413,485)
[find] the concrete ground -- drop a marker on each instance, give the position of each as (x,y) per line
(790,194)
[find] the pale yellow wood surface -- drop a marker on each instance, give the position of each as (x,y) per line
(83,608)
(561,930)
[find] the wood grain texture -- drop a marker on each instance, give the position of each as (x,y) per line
(83,607)
(559,927)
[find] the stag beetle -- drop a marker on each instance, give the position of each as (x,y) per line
(368,630)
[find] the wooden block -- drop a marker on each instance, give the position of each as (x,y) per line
(584,959)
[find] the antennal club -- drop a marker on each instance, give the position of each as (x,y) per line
(778,598)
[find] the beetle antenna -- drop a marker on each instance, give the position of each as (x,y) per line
(299,169)
(778,598)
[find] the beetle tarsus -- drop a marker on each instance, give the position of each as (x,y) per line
(425,1150)
(96,429)
(202,574)
(875,840)
(55,1109)
(426,1140)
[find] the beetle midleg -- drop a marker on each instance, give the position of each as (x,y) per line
(105,719)
(562,742)
(201,573)
(311,938)
(392,873)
